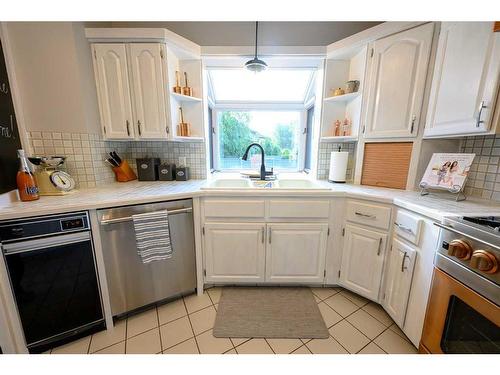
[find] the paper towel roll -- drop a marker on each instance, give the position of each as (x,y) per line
(338,166)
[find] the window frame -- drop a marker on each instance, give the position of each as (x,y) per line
(265,107)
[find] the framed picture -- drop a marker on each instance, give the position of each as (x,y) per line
(447,171)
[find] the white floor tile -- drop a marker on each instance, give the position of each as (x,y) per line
(366,323)
(232,351)
(175,332)
(341,305)
(80,346)
(330,316)
(371,348)
(323,293)
(203,320)
(348,336)
(142,322)
(195,302)
(302,350)
(354,298)
(325,346)
(113,349)
(378,313)
(108,337)
(238,341)
(284,346)
(214,294)
(209,344)
(397,330)
(392,343)
(254,346)
(145,343)
(171,311)
(186,347)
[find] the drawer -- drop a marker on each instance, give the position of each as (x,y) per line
(369,214)
(408,226)
(296,208)
(235,208)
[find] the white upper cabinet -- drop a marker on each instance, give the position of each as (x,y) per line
(398,280)
(362,261)
(465,80)
(397,73)
(296,252)
(113,90)
(148,92)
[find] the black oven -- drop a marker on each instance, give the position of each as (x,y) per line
(52,271)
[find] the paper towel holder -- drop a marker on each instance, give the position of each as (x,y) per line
(338,166)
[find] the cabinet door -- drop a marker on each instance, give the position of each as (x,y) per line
(113,90)
(398,68)
(362,261)
(234,252)
(296,252)
(465,79)
(398,280)
(148,92)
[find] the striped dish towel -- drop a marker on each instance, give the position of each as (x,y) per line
(152,235)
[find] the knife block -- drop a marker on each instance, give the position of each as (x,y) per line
(124,173)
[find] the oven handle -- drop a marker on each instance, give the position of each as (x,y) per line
(451,229)
(44,243)
(129,218)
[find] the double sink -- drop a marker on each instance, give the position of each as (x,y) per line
(246,183)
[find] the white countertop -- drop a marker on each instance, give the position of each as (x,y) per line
(435,206)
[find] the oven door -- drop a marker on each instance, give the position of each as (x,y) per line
(459,320)
(55,286)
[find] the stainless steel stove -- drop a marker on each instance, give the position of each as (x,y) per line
(470,251)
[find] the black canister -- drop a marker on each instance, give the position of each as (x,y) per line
(182,174)
(147,169)
(166,172)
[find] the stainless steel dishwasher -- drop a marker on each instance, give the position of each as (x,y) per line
(133,284)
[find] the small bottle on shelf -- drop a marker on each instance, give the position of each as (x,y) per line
(337,128)
(346,127)
(26,184)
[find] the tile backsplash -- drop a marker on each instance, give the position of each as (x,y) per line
(484,176)
(325,149)
(85,154)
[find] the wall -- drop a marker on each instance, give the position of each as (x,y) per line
(325,150)
(54,72)
(484,176)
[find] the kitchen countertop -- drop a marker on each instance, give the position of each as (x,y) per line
(435,206)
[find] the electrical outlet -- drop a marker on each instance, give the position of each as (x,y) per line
(182,161)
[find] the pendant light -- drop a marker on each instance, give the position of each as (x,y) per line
(256,65)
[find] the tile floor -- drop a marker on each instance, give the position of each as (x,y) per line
(185,327)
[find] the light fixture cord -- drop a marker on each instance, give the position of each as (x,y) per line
(256,37)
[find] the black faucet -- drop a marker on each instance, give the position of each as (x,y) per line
(262,166)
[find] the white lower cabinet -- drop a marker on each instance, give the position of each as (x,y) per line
(398,280)
(296,252)
(235,252)
(362,261)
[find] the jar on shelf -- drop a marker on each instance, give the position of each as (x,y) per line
(337,125)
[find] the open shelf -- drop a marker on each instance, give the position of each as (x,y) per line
(342,98)
(346,138)
(185,98)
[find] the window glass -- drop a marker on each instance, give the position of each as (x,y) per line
(276,131)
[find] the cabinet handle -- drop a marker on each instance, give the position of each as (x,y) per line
(379,246)
(404,228)
(262,234)
(480,111)
(413,119)
(128,128)
(139,127)
(167,129)
(365,215)
(403,268)
(270,231)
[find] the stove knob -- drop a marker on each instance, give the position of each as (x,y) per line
(484,261)
(460,249)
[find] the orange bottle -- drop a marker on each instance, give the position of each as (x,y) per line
(26,184)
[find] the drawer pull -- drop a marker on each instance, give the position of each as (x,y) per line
(365,215)
(404,228)
(262,234)
(403,268)
(379,246)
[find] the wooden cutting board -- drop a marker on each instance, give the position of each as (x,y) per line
(386,164)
